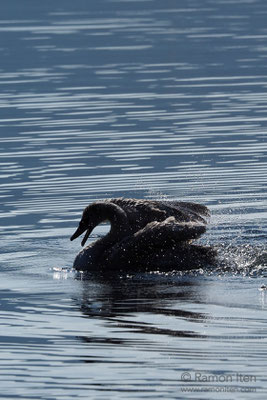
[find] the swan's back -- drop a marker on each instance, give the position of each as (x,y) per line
(141,212)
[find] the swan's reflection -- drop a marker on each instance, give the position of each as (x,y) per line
(120,301)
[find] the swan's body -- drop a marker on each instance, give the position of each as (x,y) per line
(144,234)
(141,212)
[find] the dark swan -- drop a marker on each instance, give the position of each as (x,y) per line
(144,235)
(139,213)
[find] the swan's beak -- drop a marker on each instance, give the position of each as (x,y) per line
(86,236)
(78,232)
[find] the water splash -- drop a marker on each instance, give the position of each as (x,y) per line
(243,259)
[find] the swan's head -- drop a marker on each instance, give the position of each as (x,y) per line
(96,213)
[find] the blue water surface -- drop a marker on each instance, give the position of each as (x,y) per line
(145,99)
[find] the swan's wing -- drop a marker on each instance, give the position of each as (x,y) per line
(155,236)
(185,211)
(168,230)
(193,207)
(140,212)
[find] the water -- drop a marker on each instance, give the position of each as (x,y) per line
(136,99)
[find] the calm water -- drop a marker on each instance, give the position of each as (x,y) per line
(146,99)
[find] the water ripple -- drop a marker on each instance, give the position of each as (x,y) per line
(130,98)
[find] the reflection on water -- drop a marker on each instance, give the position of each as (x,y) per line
(136,99)
(130,334)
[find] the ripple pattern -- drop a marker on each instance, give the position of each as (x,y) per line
(140,99)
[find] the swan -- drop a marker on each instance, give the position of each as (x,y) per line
(161,243)
(140,212)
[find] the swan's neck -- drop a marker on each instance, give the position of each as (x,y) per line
(91,255)
(119,225)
